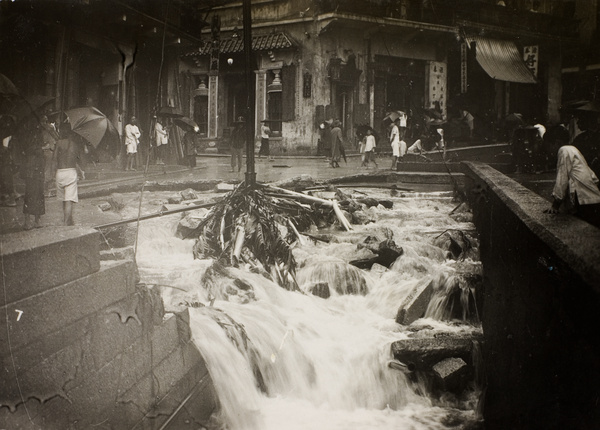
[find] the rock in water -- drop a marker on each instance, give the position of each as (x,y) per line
(343,277)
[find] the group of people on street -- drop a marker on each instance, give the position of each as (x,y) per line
(42,156)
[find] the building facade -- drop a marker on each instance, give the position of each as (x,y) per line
(316,60)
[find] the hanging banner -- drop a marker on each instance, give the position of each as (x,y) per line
(463,68)
(530,56)
(437,85)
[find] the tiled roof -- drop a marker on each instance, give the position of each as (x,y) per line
(265,42)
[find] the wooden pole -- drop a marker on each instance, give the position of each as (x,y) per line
(250,101)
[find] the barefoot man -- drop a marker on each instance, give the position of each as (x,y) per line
(68,157)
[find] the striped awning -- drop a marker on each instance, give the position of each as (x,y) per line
(501,60)
(267,42)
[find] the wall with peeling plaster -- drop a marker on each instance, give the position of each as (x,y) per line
(541,295)
(85,346)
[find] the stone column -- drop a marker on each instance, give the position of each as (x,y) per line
(261,96)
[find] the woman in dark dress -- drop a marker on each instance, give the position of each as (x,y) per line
(34,168)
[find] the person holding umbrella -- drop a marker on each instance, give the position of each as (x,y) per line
(30,134)
(132,140)
(67,155)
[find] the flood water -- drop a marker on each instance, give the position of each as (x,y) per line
(285,360)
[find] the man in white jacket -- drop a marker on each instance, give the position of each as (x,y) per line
(162,139)
(575,180)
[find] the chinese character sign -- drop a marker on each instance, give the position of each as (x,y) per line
(531,56)
(437,84)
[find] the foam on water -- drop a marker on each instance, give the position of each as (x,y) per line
(294,361)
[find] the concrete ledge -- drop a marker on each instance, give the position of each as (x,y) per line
(49,311)
(575,242)
(30,259)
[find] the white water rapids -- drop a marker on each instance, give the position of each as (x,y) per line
(323,362)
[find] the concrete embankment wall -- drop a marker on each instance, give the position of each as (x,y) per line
(541,300)
(85,347)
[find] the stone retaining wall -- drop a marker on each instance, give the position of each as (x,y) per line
(85,347)
(541,298)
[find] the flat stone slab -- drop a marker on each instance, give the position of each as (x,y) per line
(36,260)
(415,303)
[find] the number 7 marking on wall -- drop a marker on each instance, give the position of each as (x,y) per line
(20,313)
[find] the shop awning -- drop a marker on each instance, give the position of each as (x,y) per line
(501,60)
(267,42)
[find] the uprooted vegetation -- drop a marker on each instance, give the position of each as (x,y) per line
(257,226)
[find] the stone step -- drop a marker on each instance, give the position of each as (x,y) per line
(35,260)
(49,311)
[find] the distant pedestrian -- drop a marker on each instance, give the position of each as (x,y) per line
(336,144)
(68,157)
(265,133)
(189,146)
(238,142)
(33,173)
(162,139)
(132,140)
(575,180)
(370,145)
(398,146)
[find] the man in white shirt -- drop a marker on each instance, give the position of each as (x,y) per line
(132,139)
(162,138)
(577,181)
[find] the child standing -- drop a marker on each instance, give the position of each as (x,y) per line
(370,145)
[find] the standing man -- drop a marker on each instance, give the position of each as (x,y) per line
(189,146)
(132,140)
(398,146)
(336,143)
(265,132)
(67,155)
(162,138)
(238,141)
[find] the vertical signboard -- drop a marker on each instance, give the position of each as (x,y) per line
(437,85)
(531,57)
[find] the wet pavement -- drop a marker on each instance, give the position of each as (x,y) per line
(104,178)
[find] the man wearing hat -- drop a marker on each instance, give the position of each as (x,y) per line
(238,140)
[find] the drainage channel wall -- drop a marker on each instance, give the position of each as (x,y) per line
(84,347)
(541,300)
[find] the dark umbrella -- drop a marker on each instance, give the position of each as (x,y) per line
(185,122)
(593,106)
(91,124)
(7,87)
(31,105)
(169,112)
(394,115)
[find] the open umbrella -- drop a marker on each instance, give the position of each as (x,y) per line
(394,115)
(24,107)
(91,124)
(7,87)
(169,112)
(185,122)
(593,106)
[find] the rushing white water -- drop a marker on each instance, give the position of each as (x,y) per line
(285,360)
